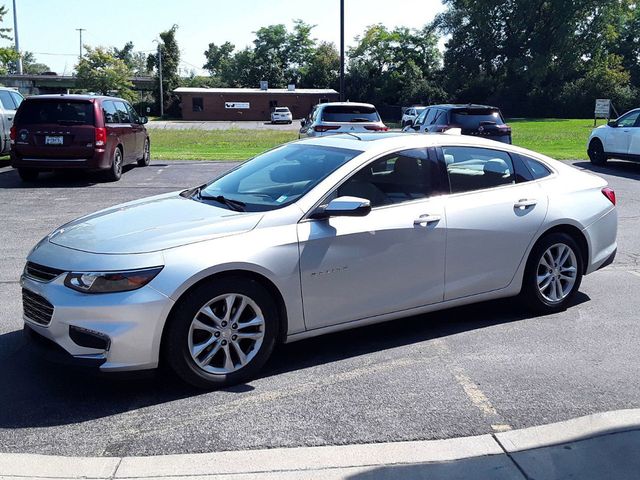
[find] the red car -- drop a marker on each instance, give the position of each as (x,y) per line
(88,132)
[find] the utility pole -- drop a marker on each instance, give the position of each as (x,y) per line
(160,78)
(80,30)
(15,30)
(342,50)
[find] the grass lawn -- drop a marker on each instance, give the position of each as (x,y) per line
(561,139)
(214,144)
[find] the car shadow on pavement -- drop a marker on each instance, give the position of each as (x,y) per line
(58,179)
(36,393)
(618,168)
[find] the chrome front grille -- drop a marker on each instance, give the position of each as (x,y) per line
(40,272)
(36,308)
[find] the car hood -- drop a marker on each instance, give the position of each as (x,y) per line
(152,224)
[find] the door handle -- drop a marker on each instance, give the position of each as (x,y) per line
(426,219)
(9,118)
(524,203)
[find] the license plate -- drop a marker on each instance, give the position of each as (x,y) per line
(53,140)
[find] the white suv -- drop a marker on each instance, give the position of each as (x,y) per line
(341,117)
(617,139)
(410,115)
(281,114)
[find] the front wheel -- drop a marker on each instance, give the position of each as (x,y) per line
(553,273)
(596,153)
(146,155)
(222,333)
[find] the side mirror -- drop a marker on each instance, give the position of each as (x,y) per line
(303,122)
(344,207)
(613,123)
(143,120)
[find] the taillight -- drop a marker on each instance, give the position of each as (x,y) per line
(377,128)
(12,134)
(610,194)
(101,137)
(325,128)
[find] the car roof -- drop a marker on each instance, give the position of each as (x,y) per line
(64,96)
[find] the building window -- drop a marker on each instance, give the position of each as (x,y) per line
(197,104)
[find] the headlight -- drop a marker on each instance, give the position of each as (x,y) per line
(109,282)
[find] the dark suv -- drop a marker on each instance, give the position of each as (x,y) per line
(477,120)
(53,132)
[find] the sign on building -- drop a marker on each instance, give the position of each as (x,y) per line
(603,108)
(237,105)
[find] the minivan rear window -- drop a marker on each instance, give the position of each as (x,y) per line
(472,118)
(61,112)
(349,113)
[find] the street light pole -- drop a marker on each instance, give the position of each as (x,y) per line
(15,30)
(342,50)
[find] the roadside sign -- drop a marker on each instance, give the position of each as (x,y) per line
(603,108)
(237,105)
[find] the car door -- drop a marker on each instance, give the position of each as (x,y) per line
(634,139)
(491,219)
(618,139)
(8,112)
(138,129)
(126,132)
(390,260)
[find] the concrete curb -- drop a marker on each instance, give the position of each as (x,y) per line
(479,456)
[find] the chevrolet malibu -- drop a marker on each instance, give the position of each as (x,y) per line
(312,237)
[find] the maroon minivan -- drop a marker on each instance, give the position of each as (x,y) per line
(88,132)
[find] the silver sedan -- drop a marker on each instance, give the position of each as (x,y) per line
(313,237)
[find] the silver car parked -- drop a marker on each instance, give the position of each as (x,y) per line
(341,117)
(313,237)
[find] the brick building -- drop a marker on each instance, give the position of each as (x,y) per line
(248,103)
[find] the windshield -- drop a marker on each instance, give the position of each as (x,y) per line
(349,113)
(55,111)
(472,118)
(278,177)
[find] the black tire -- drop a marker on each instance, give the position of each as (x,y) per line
(596,152)
(146,155)
(176,350)
(531,293)
(115,171)
(28,174)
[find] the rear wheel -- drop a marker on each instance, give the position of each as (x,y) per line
(553,273)
(115,171)
(596,152)
(28,174)
(146,155)
(222,333)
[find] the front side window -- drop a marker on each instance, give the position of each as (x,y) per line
(278,177)
(7,100)
(135,118)
(629,120)
(17,98)
(395,178)
(421,118)
(471,168)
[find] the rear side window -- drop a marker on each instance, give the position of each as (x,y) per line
(349,113)
(474,117)
(471,168)
(110,112)
(61,112)
(17,98)
(7,100)
(123,113)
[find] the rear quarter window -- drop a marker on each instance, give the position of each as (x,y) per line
(55,112)
(538,170)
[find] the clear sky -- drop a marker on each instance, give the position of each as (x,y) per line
(48,28)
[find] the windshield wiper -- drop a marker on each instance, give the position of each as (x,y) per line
(236,205)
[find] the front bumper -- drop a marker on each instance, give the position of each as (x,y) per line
(132,322)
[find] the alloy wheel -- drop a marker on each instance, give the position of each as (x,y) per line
(557,272)
(226,334)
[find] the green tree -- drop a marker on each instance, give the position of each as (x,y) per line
(219,59)
(170,61)
(322,69)
(136,61)
(99,71)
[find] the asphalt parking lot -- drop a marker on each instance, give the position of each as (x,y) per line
(465,371)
